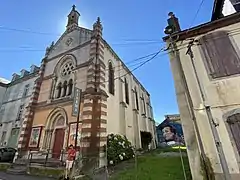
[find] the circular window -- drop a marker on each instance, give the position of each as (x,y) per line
(67,69)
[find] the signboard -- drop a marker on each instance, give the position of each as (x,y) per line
(76,101)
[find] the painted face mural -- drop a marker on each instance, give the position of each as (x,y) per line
(168,133)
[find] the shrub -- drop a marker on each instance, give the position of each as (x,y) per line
(118,149)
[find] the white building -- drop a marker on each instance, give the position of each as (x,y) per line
(15,99)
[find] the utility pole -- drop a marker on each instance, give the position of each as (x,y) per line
(174,50)
(211,121)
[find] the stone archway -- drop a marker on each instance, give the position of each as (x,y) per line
(55,131)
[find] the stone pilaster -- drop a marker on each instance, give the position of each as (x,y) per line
(94,115)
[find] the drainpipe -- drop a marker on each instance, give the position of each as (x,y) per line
(211,121)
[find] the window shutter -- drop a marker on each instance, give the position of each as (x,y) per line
(220,56)
(228,54)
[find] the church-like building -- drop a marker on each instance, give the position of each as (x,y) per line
(112,99)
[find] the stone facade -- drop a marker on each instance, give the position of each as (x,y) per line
(207,94)
(112,99)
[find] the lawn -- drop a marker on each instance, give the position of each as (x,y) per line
(155,167)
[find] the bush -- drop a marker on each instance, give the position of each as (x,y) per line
(118,149)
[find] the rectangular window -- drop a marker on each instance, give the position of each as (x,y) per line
(143,105)
(20,112)
(26,89)
(2,109)
(136,99)
(3,137)
(220,56)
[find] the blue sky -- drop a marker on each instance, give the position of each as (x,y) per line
(122,21)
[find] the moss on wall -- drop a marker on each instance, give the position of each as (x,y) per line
(206,168)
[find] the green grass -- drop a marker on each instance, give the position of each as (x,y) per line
(154,167)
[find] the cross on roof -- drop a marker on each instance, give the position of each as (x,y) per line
(73,7)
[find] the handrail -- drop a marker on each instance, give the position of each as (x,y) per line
(47,154)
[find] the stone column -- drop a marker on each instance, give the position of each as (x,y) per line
(53,91)
(67,91)
(62,91)
(56,92)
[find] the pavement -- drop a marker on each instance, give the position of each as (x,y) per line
(4,176)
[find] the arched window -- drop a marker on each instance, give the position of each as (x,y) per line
(59,90)
(64,89)
(110,78)
(70,86)
(126,91)
(64,77)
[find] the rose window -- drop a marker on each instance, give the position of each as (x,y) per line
(67,69)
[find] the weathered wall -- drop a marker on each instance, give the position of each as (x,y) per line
(222,95)
(11,103)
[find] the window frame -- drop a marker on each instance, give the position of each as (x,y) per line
(111,79)
(20,112)
(26,90)
(211,66)
(126,88)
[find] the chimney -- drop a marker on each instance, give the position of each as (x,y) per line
(33,68)
(173,22)
(24,72)
(15,77)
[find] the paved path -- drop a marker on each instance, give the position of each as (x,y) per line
(4,176)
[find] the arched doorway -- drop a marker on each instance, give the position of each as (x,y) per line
(55,132)
(59,132)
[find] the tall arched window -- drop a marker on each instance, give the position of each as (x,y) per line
(59,90)
(64,89)
(126,91)
(110,78)
(70,86)
(64,77)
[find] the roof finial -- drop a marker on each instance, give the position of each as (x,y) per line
(73,7)
(98,20)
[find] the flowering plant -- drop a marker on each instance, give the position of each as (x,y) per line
(118,149)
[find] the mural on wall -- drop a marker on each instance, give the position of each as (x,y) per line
(170,131)
(35,135)
(72,134)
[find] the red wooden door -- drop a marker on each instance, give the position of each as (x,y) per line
(58,143)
